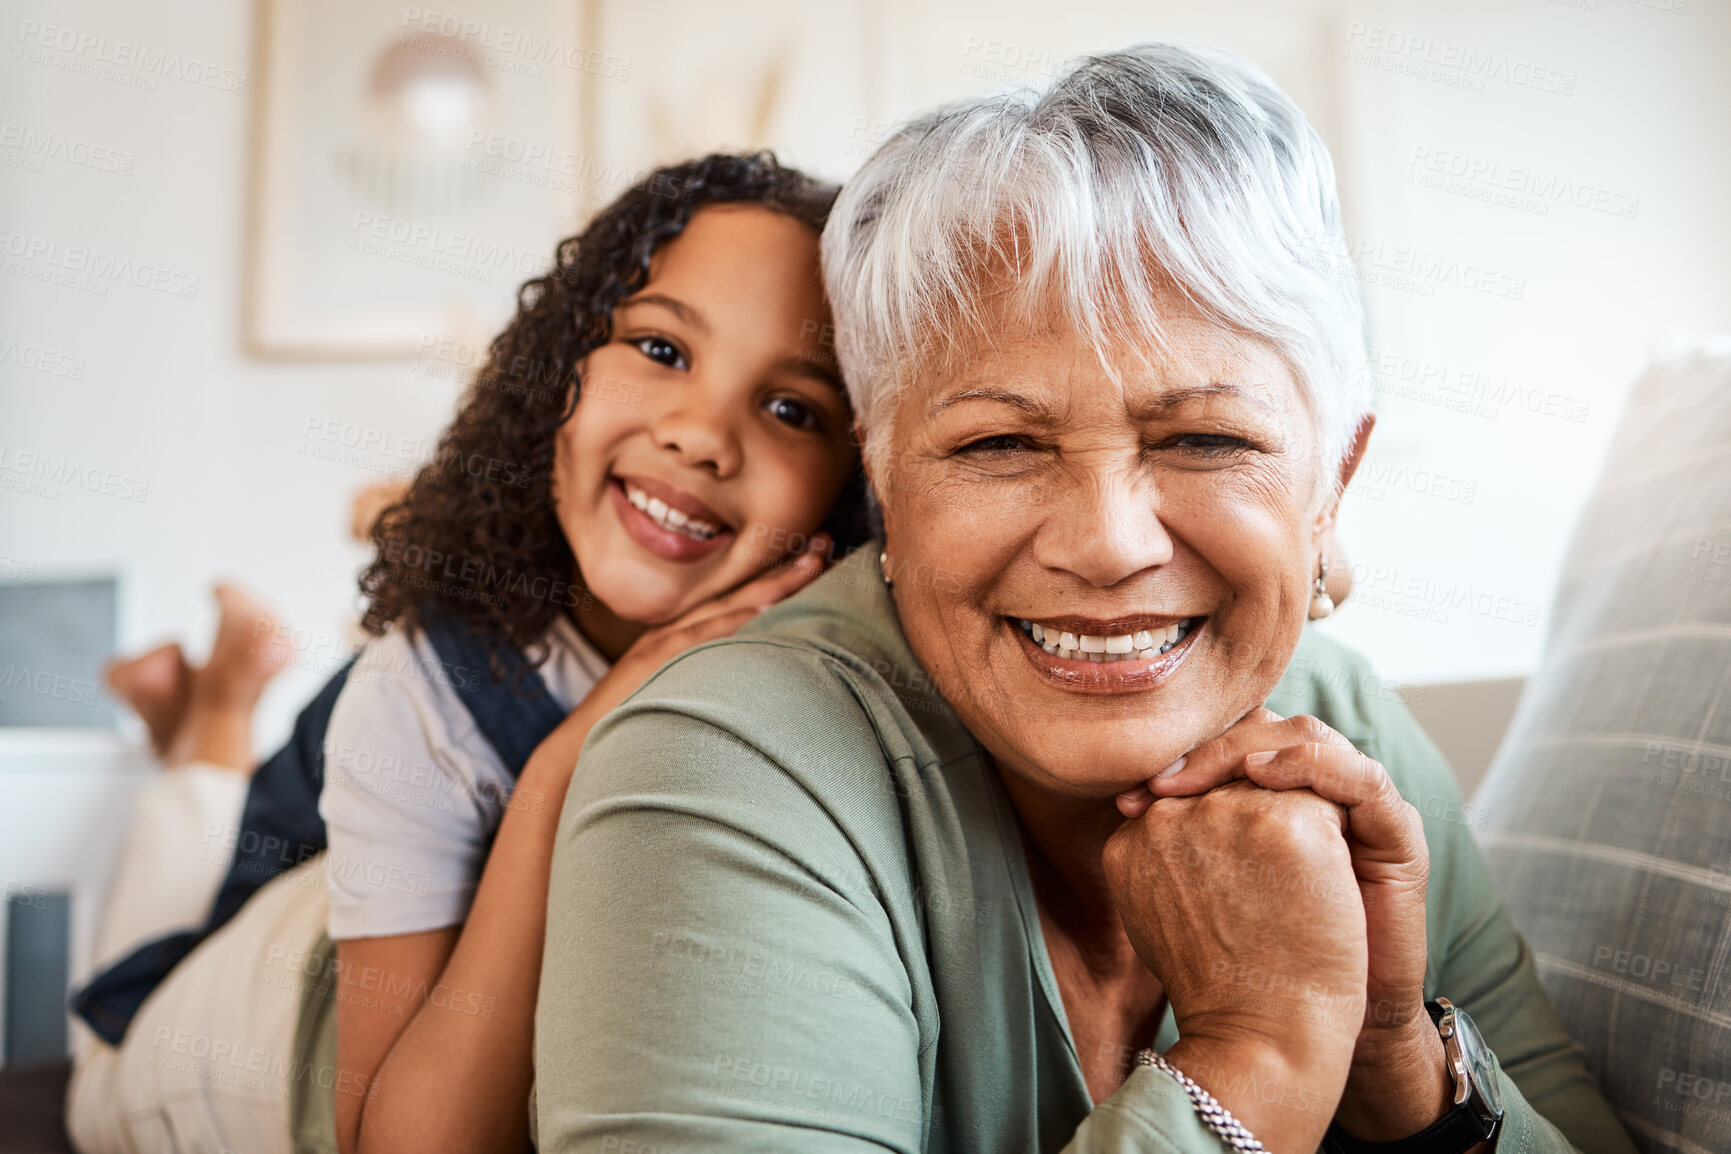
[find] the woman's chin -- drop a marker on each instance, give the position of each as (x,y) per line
(1089,766)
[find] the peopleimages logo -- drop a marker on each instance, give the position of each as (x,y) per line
(42,360)
(511,49)
(1456,65)
(37,146)
(88,53)
(90,267)
(37,473)
(1527,188)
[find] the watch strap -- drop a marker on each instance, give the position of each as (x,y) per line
(1454,1133)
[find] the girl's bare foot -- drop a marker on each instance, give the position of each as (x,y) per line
(158,687)
(245,656)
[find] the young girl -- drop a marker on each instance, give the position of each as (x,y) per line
(658,448)
(711,425)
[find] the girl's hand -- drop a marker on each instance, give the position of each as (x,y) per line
(557,755)
(1398,1084)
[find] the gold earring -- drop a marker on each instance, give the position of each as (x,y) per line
(1321,604)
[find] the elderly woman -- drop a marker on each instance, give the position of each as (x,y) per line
(988,842)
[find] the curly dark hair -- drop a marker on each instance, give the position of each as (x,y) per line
(476,535)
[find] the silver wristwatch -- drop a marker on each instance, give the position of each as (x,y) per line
(1477,1113)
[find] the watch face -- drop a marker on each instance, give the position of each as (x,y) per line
(1478,1058)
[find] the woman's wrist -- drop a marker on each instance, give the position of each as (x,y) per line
(1283,1089)
(1398,1083)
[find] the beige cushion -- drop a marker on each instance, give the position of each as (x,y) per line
(1609,804)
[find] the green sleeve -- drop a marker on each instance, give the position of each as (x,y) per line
(1478,960)
(1149,1112)
(705,985)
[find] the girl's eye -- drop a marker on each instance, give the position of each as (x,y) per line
(794,413)
(660,350)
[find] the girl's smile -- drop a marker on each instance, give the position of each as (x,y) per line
(669,522)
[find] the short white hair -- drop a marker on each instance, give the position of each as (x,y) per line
(1137,171)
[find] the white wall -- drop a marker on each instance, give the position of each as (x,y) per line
(167,397)
(1644,124)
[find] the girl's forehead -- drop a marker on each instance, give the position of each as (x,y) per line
(735,232)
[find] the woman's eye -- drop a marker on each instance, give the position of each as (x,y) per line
(661,350)
(796,414)
(1209,442)
(1005,443)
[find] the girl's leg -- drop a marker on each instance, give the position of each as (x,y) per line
(158,687)
(217,729)
(187,819)
(173,1083)
(209,1061)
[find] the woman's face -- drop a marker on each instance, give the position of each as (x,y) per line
(1171,514)
(713,427)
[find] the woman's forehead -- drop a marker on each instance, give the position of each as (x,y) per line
(1191,362)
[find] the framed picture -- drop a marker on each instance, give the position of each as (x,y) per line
(806,79)
(411,167)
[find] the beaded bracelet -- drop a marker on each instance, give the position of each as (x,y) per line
(1217,1117)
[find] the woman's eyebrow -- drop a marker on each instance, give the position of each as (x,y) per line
(1175,398)
(673,305)
(1003,396)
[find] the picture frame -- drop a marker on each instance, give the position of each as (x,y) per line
(410,168)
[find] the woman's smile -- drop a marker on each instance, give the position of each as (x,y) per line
(1128,655)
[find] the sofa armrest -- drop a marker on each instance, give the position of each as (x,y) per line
(1467,720)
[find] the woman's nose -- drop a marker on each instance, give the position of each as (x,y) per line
(699,431)
(1105,530)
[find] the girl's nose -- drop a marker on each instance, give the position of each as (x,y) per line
(701,435)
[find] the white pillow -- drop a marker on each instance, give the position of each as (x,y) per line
(1609,803)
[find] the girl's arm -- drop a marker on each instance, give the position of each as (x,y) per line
(435,1030)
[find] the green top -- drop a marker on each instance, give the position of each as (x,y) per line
(790,912)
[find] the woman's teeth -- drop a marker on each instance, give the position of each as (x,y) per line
(1144,645)
(670,519)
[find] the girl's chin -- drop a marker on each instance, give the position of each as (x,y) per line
(644,597)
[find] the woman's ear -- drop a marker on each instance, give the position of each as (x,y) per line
(1355,454)
(1348,466)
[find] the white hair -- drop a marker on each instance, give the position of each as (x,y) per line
(1137,171)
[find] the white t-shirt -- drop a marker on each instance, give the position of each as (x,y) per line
(413,792)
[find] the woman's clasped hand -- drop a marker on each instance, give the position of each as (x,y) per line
(1274,880)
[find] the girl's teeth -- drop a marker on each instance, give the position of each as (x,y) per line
(1143,645)
(670,518)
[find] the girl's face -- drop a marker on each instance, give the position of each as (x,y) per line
(713,429)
